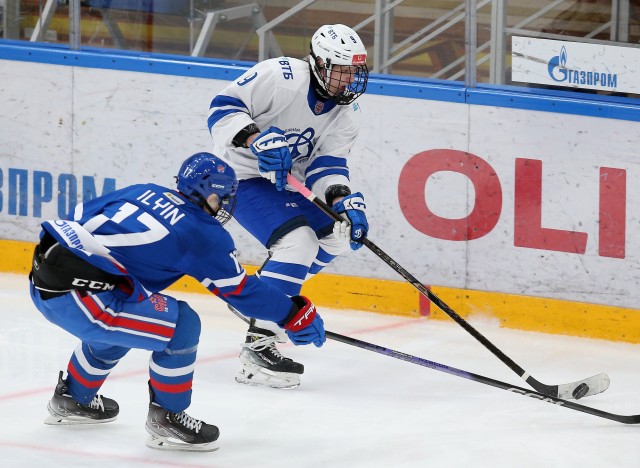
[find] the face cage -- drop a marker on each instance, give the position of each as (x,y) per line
(227,207)
(346,87)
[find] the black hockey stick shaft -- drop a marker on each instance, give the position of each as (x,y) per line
(625,419)
(550,390)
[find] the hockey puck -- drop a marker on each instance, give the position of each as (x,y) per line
(580,391)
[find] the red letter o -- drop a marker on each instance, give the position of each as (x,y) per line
(488,194)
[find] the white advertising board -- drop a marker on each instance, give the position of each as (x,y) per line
(576,64)
(476,197)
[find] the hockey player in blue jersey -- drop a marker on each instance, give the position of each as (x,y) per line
(99,276)
(288,115)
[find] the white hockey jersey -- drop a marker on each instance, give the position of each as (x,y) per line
(277,92)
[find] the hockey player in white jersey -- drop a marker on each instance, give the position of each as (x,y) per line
(99,277)
(300,116)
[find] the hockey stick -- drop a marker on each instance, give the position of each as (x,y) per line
(591,386)
(625,419)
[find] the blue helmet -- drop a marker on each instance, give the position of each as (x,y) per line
(203,174)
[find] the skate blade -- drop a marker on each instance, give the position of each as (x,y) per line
(73,420)
(265,378)
(55,419)
(166,443)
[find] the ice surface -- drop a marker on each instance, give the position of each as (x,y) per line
(355,408)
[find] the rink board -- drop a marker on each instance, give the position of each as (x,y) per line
(513,205)
(400,298)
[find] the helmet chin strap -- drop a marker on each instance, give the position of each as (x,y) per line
(207,207)
(209,210)
(318,83)
(202,202)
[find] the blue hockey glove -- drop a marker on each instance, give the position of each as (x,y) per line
(274,158)
(304,325)
(354,229)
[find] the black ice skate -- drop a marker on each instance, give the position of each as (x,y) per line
(262,363)
(178,431)
(65,410)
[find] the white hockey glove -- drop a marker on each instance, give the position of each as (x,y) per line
(355,226)
(274,158)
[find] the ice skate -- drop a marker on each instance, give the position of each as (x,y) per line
(65,410)
(179,431)
(262,363)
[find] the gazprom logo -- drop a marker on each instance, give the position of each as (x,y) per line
(558,71)
(557,66)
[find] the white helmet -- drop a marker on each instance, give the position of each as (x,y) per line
(339,45)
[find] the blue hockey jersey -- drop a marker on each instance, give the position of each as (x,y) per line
(152,236)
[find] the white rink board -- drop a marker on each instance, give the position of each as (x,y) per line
(135,127)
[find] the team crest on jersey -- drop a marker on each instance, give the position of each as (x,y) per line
(173,198)
(159,303)
(301,144)
(318,107)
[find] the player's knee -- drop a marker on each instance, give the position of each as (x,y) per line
(187,331)
(299,246)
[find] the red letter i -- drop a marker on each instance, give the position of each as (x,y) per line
(613,210)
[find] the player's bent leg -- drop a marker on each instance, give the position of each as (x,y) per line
(329,248)
(262,363)
(89,367)
(291,257)
(170,380)
(171,370)
(75,400)
(286,269)
(90,318)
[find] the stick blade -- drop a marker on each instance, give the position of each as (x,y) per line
(575,390)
